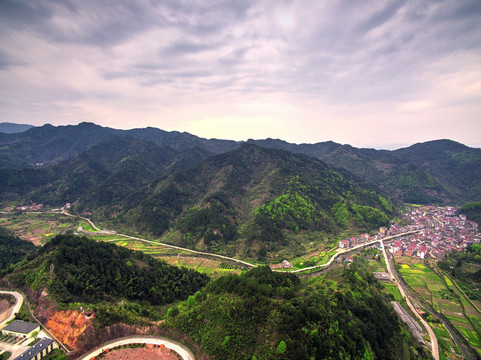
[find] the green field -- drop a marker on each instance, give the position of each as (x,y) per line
(37,227)
(438,290)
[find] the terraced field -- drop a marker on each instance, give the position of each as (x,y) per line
(440,292)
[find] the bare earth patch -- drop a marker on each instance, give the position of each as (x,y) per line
(4,305)
(148,352)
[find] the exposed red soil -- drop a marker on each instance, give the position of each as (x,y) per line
(67,326)
(149,352)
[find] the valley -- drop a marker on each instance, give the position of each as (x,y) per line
(242,250)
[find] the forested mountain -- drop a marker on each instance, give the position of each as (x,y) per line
(456,166)
(102,175)
(435,172)
(12,250)
(252,198)
(402,180)
(11,128)
(52,144)
(76,269)
(267,315)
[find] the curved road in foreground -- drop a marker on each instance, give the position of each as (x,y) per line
(182,350)
(16,308)
(432,336)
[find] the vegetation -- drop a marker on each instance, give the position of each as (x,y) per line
(56,354)
(465,267)
(437,289)
(253,199)
(5,356)
(472,211)
(12,250)
(86,271)
(267,315)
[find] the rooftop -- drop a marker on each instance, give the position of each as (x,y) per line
(35,349)
(21,327)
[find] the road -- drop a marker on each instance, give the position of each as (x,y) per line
(244,263)
(343,251)
(432,336)
(182,350)
(468,352)
(16,307)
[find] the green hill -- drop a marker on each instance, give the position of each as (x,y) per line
(12,250)
(251,200)
(403,181)
(76,269)
(455,165)
(265,315)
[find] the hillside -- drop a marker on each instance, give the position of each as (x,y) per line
(456,166)
(76,269)
(253,200)
(403,181)
(101,291)
(12,250)
(52,144)
(265,315)
(472,211)
(435,172)
(11,128)
(107,172)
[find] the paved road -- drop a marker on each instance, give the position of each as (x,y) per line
(16,307)
(249,265)
(343,251)
(432,336)
(182,350)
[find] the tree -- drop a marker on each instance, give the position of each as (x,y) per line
(281,348)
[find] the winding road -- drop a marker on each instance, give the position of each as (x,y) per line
(15,309)
(182,350)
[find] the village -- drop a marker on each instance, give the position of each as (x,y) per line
(440,231)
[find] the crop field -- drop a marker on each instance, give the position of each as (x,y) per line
(86,226)
(439,291)
(36,227)
(177,257)
(448,349)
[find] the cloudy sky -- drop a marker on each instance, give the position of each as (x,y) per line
(369,73)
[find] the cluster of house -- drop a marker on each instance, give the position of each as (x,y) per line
(31,207)
(441,231)
(358,240)
(438,231)
(34,207)
(24,330)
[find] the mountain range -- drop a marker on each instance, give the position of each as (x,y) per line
(228,196)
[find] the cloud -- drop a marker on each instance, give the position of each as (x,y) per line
(173,62)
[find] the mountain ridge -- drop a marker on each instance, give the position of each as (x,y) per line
(436,172)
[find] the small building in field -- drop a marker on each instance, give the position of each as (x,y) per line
(21,329)
(39,350)
(382,276)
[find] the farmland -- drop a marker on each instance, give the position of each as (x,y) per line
(438,290)
(37,227)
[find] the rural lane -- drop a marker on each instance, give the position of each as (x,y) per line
(432,336)
(182,350)
(16,308)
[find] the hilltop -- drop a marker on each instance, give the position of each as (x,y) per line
(436,172)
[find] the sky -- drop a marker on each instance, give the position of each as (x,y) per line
(378,73)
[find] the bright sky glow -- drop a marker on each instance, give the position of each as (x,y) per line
(380,74)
